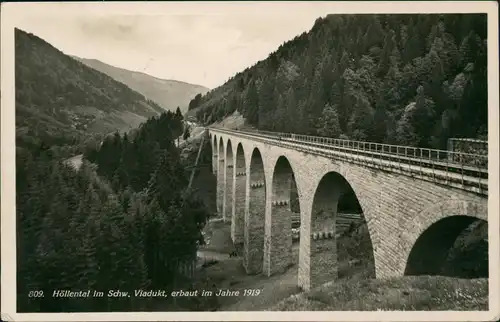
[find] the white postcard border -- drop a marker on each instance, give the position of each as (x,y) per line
(10,12)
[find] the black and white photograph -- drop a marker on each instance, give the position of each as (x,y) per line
(221,158)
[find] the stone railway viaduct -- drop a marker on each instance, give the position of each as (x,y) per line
(415,201)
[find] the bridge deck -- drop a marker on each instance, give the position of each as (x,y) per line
(405,158)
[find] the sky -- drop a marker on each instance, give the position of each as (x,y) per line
(190,46)
(202,43)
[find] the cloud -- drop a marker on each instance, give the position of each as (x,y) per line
(123,28)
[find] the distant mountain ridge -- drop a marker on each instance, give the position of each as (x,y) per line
(169,94)
(60,99)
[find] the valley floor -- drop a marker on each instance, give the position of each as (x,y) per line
(228,273)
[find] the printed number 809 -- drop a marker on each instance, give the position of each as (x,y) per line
(35,294)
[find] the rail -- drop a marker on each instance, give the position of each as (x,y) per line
(452,168)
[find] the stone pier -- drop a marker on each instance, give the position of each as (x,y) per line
(220,185)
(239,193)
(278,240)
(323,241)
(214,163)
(227,210)
(254,225)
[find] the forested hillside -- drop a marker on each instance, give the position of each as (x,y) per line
(406,79)
(124,223)
(168,93)
(61,101)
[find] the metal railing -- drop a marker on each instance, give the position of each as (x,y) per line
(480,161)
(455,168)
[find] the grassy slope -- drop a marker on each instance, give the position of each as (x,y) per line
(167,93)
(402,293)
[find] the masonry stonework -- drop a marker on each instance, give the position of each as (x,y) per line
(227,206)
(214,164)
(228,194)
(278,239)
(255,218)
(239,193)
(221,183)
(220,177)
(323,252)
(398,208)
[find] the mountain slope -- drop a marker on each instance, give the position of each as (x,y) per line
(169,94)
(403,79)
(59,97)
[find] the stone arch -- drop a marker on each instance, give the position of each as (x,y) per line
(239,194)
(441,227)
(227,207)
(220,176)
(255,215)
(334,195)
(278,253)
(221,147)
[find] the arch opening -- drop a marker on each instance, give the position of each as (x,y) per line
(255,217)
(227,208)
(340,242)
(239,194)
(281,247)
(220,178)
(455,246)
(295,209)
(215,156)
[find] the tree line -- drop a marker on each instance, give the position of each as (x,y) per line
(412,79)
(123,221)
